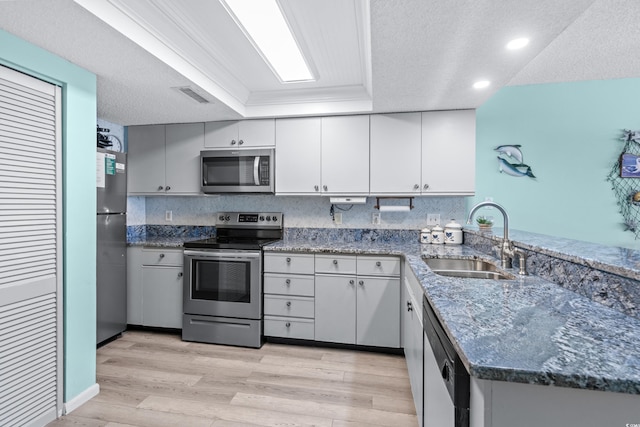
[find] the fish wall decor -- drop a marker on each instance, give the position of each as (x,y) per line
(517,169)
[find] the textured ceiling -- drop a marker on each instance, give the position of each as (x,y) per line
(424,54)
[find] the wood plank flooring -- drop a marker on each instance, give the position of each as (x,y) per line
(155,379)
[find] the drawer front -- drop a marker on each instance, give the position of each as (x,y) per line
(288,328)
(378,266)
(336,264)
(276,305)
(289,284)
(162,257)
(288,263)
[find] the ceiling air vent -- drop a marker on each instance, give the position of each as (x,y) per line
(188,90)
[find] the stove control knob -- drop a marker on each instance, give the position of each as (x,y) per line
(268,218)
(227,218)
(261,217)
(221,217)
(274,219)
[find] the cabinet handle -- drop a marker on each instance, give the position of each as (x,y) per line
(161,256)
(415,187)
(351,282)
(324,187)
(233,142)
(316,187)
(160,188)
(378,263)
(335,262)
(167,188)
(240,142)
(180,274)
(409,306)
(288,303)
(288,260)
(288,324)
(288,282)
(426,186)
(361,283)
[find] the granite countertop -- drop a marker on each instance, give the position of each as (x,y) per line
(160,242)
(526,330)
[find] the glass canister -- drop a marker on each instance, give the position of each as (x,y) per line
(437,235)
(425,235)
(453,233)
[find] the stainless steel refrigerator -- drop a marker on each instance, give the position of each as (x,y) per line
(111,274)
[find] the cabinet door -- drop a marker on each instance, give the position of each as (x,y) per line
(257,133)
(221,134)
(378,311)
(448,152)
(162,297)
(298,156)
(345,155)
(335,309)
(395,153)
(146,155)
(134,285)
(183,145)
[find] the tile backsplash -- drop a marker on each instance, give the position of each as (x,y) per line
(298,211)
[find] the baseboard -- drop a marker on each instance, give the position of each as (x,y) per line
(81,399)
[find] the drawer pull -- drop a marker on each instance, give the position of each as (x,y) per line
(361,283)
(288,282)
(378,264)
(335,262)
(351,282)
(288,324)
(288,303)
(161,256)
(288,260)
(180,274)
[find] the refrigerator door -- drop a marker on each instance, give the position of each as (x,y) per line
(111,276)
(111,181)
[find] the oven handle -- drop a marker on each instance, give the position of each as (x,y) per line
(227,256)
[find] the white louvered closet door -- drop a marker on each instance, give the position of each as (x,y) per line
(30,251)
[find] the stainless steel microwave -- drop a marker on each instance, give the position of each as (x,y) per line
(238,171)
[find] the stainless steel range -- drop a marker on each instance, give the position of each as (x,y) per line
(223,279)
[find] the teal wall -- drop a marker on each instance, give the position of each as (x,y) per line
(79,202)
(569,135)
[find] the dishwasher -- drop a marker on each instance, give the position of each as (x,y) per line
(446,380)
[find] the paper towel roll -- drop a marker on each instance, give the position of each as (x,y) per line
(394,208)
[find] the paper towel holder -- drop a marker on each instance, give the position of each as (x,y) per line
(377,206)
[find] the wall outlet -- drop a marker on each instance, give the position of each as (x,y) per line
(375,218)
(433,219)
(337,218)
(168,216)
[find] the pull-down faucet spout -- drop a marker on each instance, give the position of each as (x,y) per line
(507,252)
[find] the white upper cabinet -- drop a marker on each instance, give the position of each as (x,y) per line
(164,159)
(448,152)
(240,134)
(395,154)
(345,155)
(298,156)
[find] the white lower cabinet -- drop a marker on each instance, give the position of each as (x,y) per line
(155,287)
(354,308)
(412,338)
(289,295)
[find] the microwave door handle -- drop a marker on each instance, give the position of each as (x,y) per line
(256,170)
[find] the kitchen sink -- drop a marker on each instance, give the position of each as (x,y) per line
(466,268)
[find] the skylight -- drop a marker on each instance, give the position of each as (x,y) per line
(265,26)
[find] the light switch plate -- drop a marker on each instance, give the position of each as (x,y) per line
(168,216)
(375,218)
(337,218)
(433,219)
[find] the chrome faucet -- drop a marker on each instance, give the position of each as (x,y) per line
(507,251)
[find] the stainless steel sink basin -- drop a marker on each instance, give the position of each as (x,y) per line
(466,268)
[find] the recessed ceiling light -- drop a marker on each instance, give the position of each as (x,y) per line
(481,84)
(266,27)
(517,43)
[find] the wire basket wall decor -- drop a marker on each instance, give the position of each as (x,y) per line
(625,181)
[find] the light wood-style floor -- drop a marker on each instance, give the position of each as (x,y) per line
(155,379)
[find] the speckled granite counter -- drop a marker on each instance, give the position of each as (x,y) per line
(527,330)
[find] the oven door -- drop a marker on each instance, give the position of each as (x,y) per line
(224,283)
